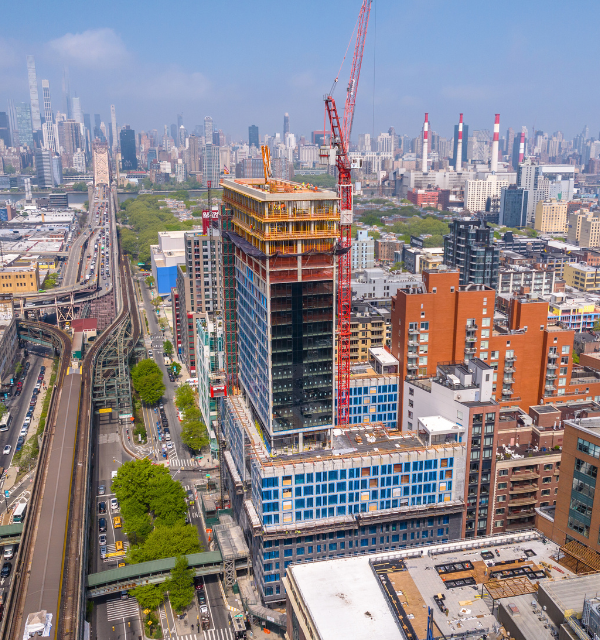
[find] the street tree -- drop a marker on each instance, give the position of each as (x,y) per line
(167,500)
(150,281)
(168,347)
(147,380)
(180,585)
(136,520)
(194,434)
(157,301)
(184,397)
(149,596)
(133,480)
(176,368)
(166,542)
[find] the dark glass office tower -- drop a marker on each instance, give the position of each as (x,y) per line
(128,156)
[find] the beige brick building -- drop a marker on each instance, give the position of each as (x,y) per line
(551,216)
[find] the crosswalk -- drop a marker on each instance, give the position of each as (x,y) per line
(122,609)
(218,634)
(182,462)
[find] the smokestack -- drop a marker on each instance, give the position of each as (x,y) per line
(459,152)
(494,162)
(522,147)
(425,142)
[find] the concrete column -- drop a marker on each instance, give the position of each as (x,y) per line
(300,442)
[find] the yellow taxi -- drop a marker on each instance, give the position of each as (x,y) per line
(118,546)
(117,522)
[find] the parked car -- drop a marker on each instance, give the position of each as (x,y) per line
(103,552)
(102,525)
(101,490)
(102,507)
(114,504)
(6,569)
(7,449)
(102,538)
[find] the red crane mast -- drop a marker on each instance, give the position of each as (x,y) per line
(340,140)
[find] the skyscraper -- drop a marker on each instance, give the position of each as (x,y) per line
(36,121)
(48,128)
(43,166)
(179,120)
(464,145)
(12,123)
(286,124)
(23,113)
(174,133)
(194,151)
(113,120)
(77,112)
(208,129)
(253,139)
(98,128)
(128,155)
(4,128)
(66,89)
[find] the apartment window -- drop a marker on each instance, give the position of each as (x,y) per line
(565,349)
(502,485)
(495,355)
(485,322)
(424,337)
(501,499)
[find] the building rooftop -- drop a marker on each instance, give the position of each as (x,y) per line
(383,356)
(375,596)
(277,190)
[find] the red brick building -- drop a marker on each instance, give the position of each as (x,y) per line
(423,197)
(445,322)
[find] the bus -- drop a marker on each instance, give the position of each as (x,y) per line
(5,422)
(20,512)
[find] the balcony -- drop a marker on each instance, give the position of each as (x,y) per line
(510,358)
(525,513)
(528,475)
(412,365)
(550,388)
(508,380)
(552,365)
(413,332)
(550,376)
(471,339)
(552,357)
(472,327)
(527,488)
(507,392)
(509,369)
(522,501)
(470,349)
(413,343)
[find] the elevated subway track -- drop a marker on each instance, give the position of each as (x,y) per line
(13,622)
(72,610)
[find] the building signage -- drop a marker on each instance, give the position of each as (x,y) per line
(416,242)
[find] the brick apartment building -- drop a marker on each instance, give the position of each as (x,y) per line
(575,518)
(448,322)
(423,197)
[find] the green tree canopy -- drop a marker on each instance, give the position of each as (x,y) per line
(150,281)
(166,542)
(149,596)
(80,186)
(167,500)
(180,585)
(147,380)
(194,434)
(175,368)
(168,348)
(184,397)
(133,481)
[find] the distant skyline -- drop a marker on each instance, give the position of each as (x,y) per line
(248,64)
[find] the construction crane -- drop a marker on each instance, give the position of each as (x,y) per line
(337,153)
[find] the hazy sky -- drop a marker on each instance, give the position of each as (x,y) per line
(533,61)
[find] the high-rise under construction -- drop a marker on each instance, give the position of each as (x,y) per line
(285,236)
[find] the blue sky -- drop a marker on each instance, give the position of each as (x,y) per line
(532,61)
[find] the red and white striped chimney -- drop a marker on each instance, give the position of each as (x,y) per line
(495,143)
(459,151)
(522,147)
(425,142)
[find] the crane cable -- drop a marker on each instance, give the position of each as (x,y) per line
(344,58)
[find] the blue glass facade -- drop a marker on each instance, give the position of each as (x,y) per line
(374,403)
(253,349)
(166,279)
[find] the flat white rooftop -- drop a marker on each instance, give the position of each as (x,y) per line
(384,357)
(439,424)
(345,600)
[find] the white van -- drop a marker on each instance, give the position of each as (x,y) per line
(9,551)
